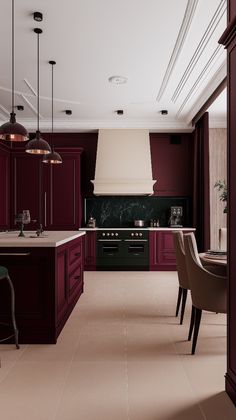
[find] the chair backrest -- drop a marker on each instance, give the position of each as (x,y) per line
(223,239)
(208,290)
(180,259)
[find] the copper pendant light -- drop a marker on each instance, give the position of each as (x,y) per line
(13,131)
(53,157)
(38,146)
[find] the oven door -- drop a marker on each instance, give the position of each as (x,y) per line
(109,253)
(136,253)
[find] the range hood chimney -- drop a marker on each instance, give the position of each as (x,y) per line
(123,165)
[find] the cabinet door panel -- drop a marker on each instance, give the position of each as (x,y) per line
(62,193)
(61,278)
(4,189)
(26,186)
(90,251)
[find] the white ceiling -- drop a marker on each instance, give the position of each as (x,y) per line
(168,50)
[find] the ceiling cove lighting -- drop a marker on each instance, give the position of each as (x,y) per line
(38,146)
(53,157)
(13,131)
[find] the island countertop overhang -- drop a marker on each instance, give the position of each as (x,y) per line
(49,239)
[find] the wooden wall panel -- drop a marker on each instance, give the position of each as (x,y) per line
(218,170)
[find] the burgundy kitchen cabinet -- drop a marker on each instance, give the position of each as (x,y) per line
(4,187)
(172,163)
(90,251)
(51,192)
(161,251)
(26,173)
(48,282)
(61,192)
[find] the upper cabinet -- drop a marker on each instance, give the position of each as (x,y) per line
(61,192)
(4,187)
(50,192)
(172,164)
(25,186)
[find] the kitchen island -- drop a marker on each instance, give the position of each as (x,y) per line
(47,274)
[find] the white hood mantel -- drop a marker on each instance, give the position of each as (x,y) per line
(123,163)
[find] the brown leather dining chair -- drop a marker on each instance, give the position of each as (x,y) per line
(208,290)
(182,273)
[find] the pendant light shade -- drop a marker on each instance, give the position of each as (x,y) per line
(38,146)
(13,131)
(53,157)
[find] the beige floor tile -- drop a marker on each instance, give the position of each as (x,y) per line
(95,391)
(31,390)
(122,356)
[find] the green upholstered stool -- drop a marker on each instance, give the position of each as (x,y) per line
(5,275)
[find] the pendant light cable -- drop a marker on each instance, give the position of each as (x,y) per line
(13,57)
(54,157)
(13,131)
(38,146)
(52,98)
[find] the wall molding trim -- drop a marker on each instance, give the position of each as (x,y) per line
(218,15)
(218,78)
(188,16)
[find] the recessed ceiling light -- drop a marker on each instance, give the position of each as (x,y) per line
(38,16)
(164,112)
(118,80)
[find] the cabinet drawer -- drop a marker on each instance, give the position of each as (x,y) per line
(74,254)
(75,279)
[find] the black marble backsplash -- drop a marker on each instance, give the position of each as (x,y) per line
(122,211)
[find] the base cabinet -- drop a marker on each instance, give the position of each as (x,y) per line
(48,282)
(90,251)
(162,253)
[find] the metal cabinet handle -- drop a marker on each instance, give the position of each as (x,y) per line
(77,254)
(17,254)
(45,209)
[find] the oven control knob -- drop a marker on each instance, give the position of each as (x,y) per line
(140,234)
(116,234)
(136,234)
(108,234)
(112,234)
(103,234)
(132,234)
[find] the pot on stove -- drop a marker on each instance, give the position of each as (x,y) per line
(139,223)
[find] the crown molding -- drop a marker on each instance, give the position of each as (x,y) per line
(201,77)
(188,16)
(63,125)
(218,78)
(213,24)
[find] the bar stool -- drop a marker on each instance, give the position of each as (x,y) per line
(5,275)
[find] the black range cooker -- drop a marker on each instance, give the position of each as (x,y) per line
(122,249)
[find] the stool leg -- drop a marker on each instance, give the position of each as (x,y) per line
(13,312)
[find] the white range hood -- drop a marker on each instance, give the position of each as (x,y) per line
(123,163)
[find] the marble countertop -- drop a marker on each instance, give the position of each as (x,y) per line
(138,228)
(48,238)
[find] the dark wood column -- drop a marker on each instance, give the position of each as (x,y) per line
(228,39)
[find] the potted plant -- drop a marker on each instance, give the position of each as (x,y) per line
(222,188)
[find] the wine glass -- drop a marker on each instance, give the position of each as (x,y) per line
(26,217)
